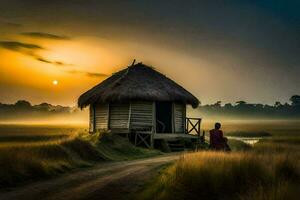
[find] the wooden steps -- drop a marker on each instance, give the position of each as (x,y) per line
(175,145)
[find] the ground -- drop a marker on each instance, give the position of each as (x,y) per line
(62,163)
(104,181)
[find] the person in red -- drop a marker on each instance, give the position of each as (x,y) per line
(217,140)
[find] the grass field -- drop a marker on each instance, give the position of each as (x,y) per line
(268,170)
(29,153)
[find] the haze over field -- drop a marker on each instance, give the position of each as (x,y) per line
(240,114)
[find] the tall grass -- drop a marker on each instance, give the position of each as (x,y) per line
(257,174)
(31,162)
(28,161)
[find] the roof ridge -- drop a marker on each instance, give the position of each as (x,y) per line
(119,80)
(138,82)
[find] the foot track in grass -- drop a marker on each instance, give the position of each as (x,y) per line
(103,181)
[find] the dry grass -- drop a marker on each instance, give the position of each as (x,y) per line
(32,161)
(269,171)
(39,152)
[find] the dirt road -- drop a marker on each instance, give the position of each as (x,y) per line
(103,181)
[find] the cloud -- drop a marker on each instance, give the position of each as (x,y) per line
(93,74)
(10,24)
(46,35)
(90,74)
(28,49)
(19,46)
(44,60)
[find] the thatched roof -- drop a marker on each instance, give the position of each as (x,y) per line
(137,82)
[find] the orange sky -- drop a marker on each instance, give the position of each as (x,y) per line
(225,54)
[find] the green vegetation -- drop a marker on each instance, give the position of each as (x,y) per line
(269,170)
(40,152)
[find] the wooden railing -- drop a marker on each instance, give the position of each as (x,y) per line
(192,124)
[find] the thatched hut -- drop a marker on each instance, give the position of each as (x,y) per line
(138,99)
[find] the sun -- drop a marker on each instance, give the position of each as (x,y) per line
(55,82)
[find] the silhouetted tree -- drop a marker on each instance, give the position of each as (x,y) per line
(244,109)
(217,104)
(240,103)
(22,104)
(277,104)
(295,99)
(228,106)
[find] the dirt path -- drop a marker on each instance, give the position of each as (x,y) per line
(104,181)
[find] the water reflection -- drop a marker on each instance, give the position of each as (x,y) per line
(248,140)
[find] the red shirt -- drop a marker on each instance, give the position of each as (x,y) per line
(216,139)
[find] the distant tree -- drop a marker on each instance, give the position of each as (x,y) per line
(228,105)
(240,103)
(22,104)
(43,107)
(259,106)
(218,104)
(295,99)
(45,104)
(277,104)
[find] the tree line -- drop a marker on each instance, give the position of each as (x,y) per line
(240,109)
(250,110)
(23,108)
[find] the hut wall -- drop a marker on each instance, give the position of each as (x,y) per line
(119,116)
(101,116)
(179,117)
(141,114)
(91,121)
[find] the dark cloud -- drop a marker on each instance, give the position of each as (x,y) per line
(46,35)
(19,46)
(90,74)
(10,24)
(61,63)
(44,60)
(29,50)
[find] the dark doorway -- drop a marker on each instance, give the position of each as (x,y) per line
(163,117)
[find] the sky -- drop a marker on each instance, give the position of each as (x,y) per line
(53,51)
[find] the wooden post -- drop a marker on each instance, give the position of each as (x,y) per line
(203,136)
(187,125)
(151,141)
(135,139)
(199,126)
(198,130)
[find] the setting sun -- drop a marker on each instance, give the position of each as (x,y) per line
(55,82)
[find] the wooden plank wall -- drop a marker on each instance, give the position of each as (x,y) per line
(179,117)
(141,114)
(118,115)
(101,116)
(91,116)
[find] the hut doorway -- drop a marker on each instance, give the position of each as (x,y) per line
(163,117)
